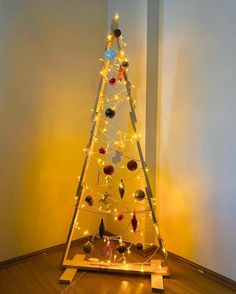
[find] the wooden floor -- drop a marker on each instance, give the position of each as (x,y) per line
(40,275)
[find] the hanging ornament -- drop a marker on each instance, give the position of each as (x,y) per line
(109,54)
(121,248)
(88,247)
(112,81)
(132,165)
(120,74)
(139,246)
(107,249)
(120,146)
(102,150)
(120,217)
(116,158)
(125,64)
(117,33)
(121,188)
(105,197)
(108,205)
(89,200)
(134,222)
(108,169)
(101,229)
(139,195)
(110,113)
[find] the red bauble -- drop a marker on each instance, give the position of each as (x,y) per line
(107,249)
(132,165)
(120,74)
(112,81)
(108,169)
(134,222)
(102,150)
(120,217)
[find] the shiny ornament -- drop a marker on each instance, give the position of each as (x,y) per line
(120,74)
(88,247)
(139,195)
(125,64)
(112,81)
(117,33)
(105,197)
(108,169)
(121,248)
(109,54)
(139,246)
(134,222)
(110,113)
(116,158)
(101,229)
(107,249)
(120,217)
(120,146)
(121,189)
(132,165)
(89,200)
(102,150)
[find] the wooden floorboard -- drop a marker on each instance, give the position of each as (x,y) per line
(41,276)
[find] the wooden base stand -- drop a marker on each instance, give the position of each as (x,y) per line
(155,269)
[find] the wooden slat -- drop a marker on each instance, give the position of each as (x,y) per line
(157,283)
(131,268)
(69,273)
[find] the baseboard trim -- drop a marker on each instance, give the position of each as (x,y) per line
(220,279)
(35,254)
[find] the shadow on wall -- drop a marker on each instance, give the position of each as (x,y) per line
(184,180)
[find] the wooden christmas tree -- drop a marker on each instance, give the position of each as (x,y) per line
(121,192)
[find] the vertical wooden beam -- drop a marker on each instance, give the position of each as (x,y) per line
(143,163)
(93,133)
(69,273)
(156,280)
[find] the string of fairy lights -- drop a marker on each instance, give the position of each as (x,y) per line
(112,154)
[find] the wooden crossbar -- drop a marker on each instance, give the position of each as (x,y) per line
(131,268)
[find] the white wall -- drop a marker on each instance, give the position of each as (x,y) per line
(197,134)
(47,75)
(48,82)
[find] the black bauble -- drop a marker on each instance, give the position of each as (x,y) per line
(88,247)
(125,63)
(139,195)
(89,200)
(139,246)
(117,33)
(121,248)
(110,113)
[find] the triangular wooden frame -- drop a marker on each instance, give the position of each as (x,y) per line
(155,268)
